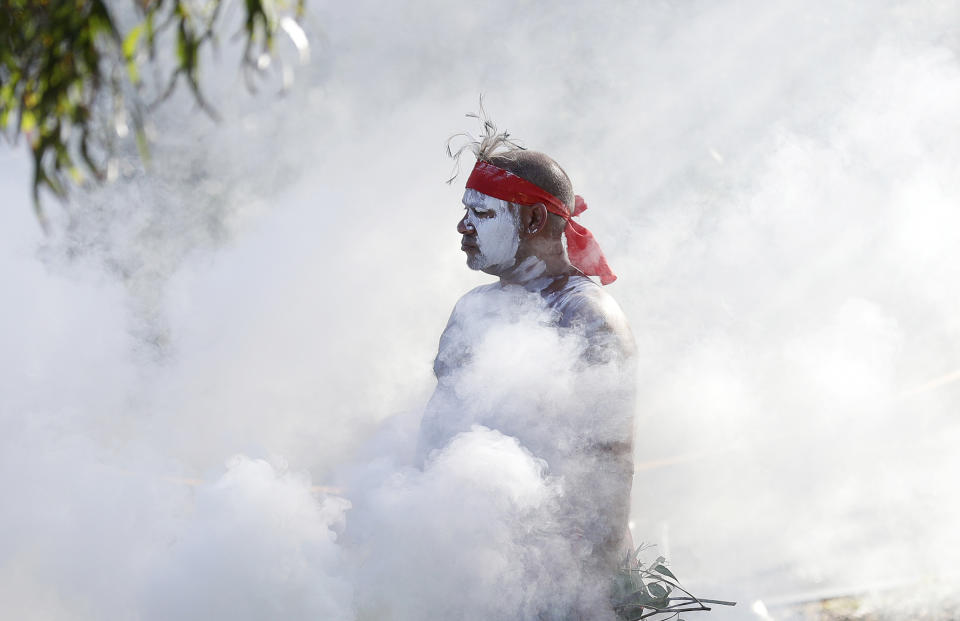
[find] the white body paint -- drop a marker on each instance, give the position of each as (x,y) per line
(509,363)
(528,270)
(497,237)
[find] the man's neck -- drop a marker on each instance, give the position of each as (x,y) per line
(538,272)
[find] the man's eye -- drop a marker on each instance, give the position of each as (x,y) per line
(480,213)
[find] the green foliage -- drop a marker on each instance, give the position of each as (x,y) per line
(648,591)
(70,80)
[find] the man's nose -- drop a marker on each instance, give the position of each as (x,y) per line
(464,228)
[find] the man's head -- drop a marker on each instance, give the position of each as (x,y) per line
(498,235)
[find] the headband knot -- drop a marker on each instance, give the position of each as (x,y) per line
(579,205)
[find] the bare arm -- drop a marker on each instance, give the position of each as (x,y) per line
(439,420)
(605,476)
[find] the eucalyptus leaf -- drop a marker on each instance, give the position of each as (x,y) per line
(657,590)
(132,39)
(663,570)
(58,66)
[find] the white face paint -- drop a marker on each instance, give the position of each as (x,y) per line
(496,238)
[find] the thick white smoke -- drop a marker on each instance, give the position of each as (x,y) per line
(775,184)
(496,552)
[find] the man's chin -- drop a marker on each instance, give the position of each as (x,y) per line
(481,266)
(475,261)
(478,264)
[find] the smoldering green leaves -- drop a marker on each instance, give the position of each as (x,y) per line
(651,591)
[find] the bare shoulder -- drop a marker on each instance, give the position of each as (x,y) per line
(469,299)
(587,307)
(477,292)
(453,350)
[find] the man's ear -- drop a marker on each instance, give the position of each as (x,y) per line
(533,219)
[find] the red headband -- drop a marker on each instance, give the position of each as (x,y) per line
(582,248)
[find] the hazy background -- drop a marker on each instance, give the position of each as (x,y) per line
(776,185)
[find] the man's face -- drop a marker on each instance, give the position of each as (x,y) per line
(489,229)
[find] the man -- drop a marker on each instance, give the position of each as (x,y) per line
(544,354)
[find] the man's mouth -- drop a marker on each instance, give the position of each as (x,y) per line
(468,246)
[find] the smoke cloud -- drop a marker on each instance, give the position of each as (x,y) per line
(194,350)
